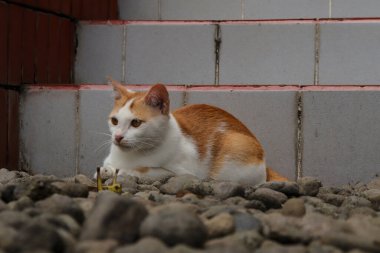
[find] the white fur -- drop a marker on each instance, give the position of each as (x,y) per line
(245,174)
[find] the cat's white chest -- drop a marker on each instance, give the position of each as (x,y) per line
(177,153)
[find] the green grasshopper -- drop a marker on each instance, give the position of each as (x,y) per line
(115,187)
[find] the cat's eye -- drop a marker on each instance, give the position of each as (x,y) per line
(114,121)
(136,122)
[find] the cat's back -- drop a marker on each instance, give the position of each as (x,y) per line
(205,118)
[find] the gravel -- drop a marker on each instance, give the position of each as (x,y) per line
(183,214)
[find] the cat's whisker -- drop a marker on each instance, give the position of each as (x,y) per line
(101,133)
(103,145)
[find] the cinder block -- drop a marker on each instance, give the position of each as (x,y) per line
(99,53)
(289,9)
(170,54)
(138,9)
(340,131)
(355,8)
(267,54)
(270,115)
(349,54)
(47,133)
(95,106)
(201,9)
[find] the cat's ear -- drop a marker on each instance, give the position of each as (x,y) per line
(158,97)
(118,89)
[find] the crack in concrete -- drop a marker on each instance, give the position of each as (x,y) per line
(317,45)
(218,42)
(299,144)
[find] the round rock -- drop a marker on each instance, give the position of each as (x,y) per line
(270,198)
(174,225)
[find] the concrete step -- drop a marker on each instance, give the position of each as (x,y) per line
(324,131)
(288,52)
(246,9)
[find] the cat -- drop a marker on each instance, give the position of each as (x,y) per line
(201,140)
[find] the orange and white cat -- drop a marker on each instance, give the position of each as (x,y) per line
(200,140)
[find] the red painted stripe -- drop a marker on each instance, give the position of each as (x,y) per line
(212,88)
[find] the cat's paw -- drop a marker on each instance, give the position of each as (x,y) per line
(106,172)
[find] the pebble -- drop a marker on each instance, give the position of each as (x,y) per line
(309,186)
(182,214)
(294,207)
(288,188)
(114,217)
(270,198)
(175,224)
(220,225)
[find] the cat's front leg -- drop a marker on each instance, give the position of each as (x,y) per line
(106,172)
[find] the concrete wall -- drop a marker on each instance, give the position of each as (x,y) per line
(245,9)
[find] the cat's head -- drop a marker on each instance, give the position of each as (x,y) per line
(139,120)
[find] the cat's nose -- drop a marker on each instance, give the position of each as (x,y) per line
(119,138)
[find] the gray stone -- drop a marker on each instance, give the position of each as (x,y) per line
(145,245)
(320,206)
(274,248)
(14,219)
(250,239)
(62,221)
(271,198)
(374,184)
(246,221)
(36,189)
(7,236)
(96,246)
(21,204)
(102,224)
(309,186)
(294,207)
(6,175)
(83,179)
(220,225)
(179,183)
(256,204)
(373,195)
(60,204)
(224,190)
(73,190)
(317,247)
(214,210)
(288,188)
(347,242)
(284,229)
(355,201)
(362,211)
(53,240)
(333,199)
(175,224)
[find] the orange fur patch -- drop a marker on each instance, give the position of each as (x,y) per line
(142,170)
(274,176)
(215,129)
